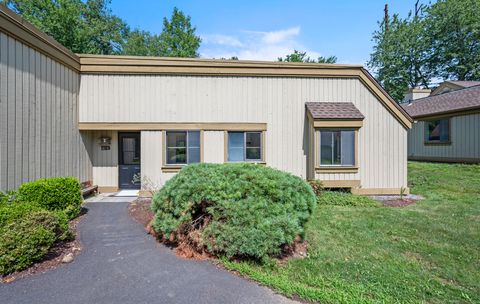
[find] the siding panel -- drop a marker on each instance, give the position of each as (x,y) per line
(277,101)
(38,134)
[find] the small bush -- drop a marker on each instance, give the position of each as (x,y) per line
(12,212)
(233,209)
(337,198)
(7,197)
(28,238)
(317,187)
(57,193)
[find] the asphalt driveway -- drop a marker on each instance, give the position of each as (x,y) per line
(120,263)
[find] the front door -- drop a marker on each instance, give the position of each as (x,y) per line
(129,160)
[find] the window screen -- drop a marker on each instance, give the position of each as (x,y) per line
(244,146)
(438,130)
(337,147)
(183,147)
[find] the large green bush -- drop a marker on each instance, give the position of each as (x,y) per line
(241,210)
(27,238)
(56,193)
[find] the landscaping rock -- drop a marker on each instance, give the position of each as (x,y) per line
(67,258)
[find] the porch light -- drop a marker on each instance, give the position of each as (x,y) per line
(105,141)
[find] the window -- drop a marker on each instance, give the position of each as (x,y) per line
(337,148)
(244,146)
(183,147)
(437,131)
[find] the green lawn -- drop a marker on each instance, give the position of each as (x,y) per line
(428,252)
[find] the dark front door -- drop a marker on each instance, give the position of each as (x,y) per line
(129,160)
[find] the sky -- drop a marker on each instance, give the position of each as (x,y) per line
(268,29)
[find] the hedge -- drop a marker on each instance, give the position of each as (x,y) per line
(28,238)
(56,193)
(241,210)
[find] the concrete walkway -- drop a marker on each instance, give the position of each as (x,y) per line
(120,263)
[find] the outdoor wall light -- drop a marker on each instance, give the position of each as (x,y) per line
(105,141)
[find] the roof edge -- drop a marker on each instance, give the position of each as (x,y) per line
(14,25)
(456,112)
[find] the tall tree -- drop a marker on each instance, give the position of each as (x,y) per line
(401,54)
(298,56)
(454,26)
(82,27)
(142,43)
(178,38)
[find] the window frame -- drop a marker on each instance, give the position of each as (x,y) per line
(165,147)
(427,141)
(335,168)
(261,160)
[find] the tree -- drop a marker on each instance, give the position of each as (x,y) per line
(437,41)
(142,43)
(178,37)
(298,56)
(401,54)
(454,26)
(82,27)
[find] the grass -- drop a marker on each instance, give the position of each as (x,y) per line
(365,253)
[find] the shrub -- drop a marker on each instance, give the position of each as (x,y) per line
(338,198)
(233,209)
(317,187)
(28,238)
(12,212)
(57,193)
(7,197)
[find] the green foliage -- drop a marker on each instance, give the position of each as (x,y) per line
(240,209)
(56,193)
(27,238)
(8,197)
(87,27)
(11,212)
(337,198)
(428,252)
(298,56)
(454,26)
(90,27)
(178,38)
(440,40)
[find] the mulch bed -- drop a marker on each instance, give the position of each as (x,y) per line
(399,202)
(54,256)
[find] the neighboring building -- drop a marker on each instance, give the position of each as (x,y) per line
(447,124)
(416,93)
(107,118)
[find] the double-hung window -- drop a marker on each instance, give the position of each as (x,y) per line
(337,148)
(437,131)
(182,147)
(245,146)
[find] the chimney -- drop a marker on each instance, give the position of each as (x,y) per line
(416,93)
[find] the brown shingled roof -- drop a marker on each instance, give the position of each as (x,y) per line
(333,110)
(454,101)
(465,84)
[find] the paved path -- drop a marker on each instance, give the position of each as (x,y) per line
(120,263)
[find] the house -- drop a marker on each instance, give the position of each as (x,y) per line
(107,119)
(447,124)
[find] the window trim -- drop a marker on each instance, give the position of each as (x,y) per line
(335,168)
(427,142)
(253,161)
(176,167)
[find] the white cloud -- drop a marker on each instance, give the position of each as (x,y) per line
(254,45)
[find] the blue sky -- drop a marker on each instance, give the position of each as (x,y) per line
(267,29)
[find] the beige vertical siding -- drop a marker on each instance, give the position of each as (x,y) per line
(465,140)
(104,162)
(151,159)
(213,146)
(277,101)
(38,118)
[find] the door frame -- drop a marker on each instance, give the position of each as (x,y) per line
(120,156)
